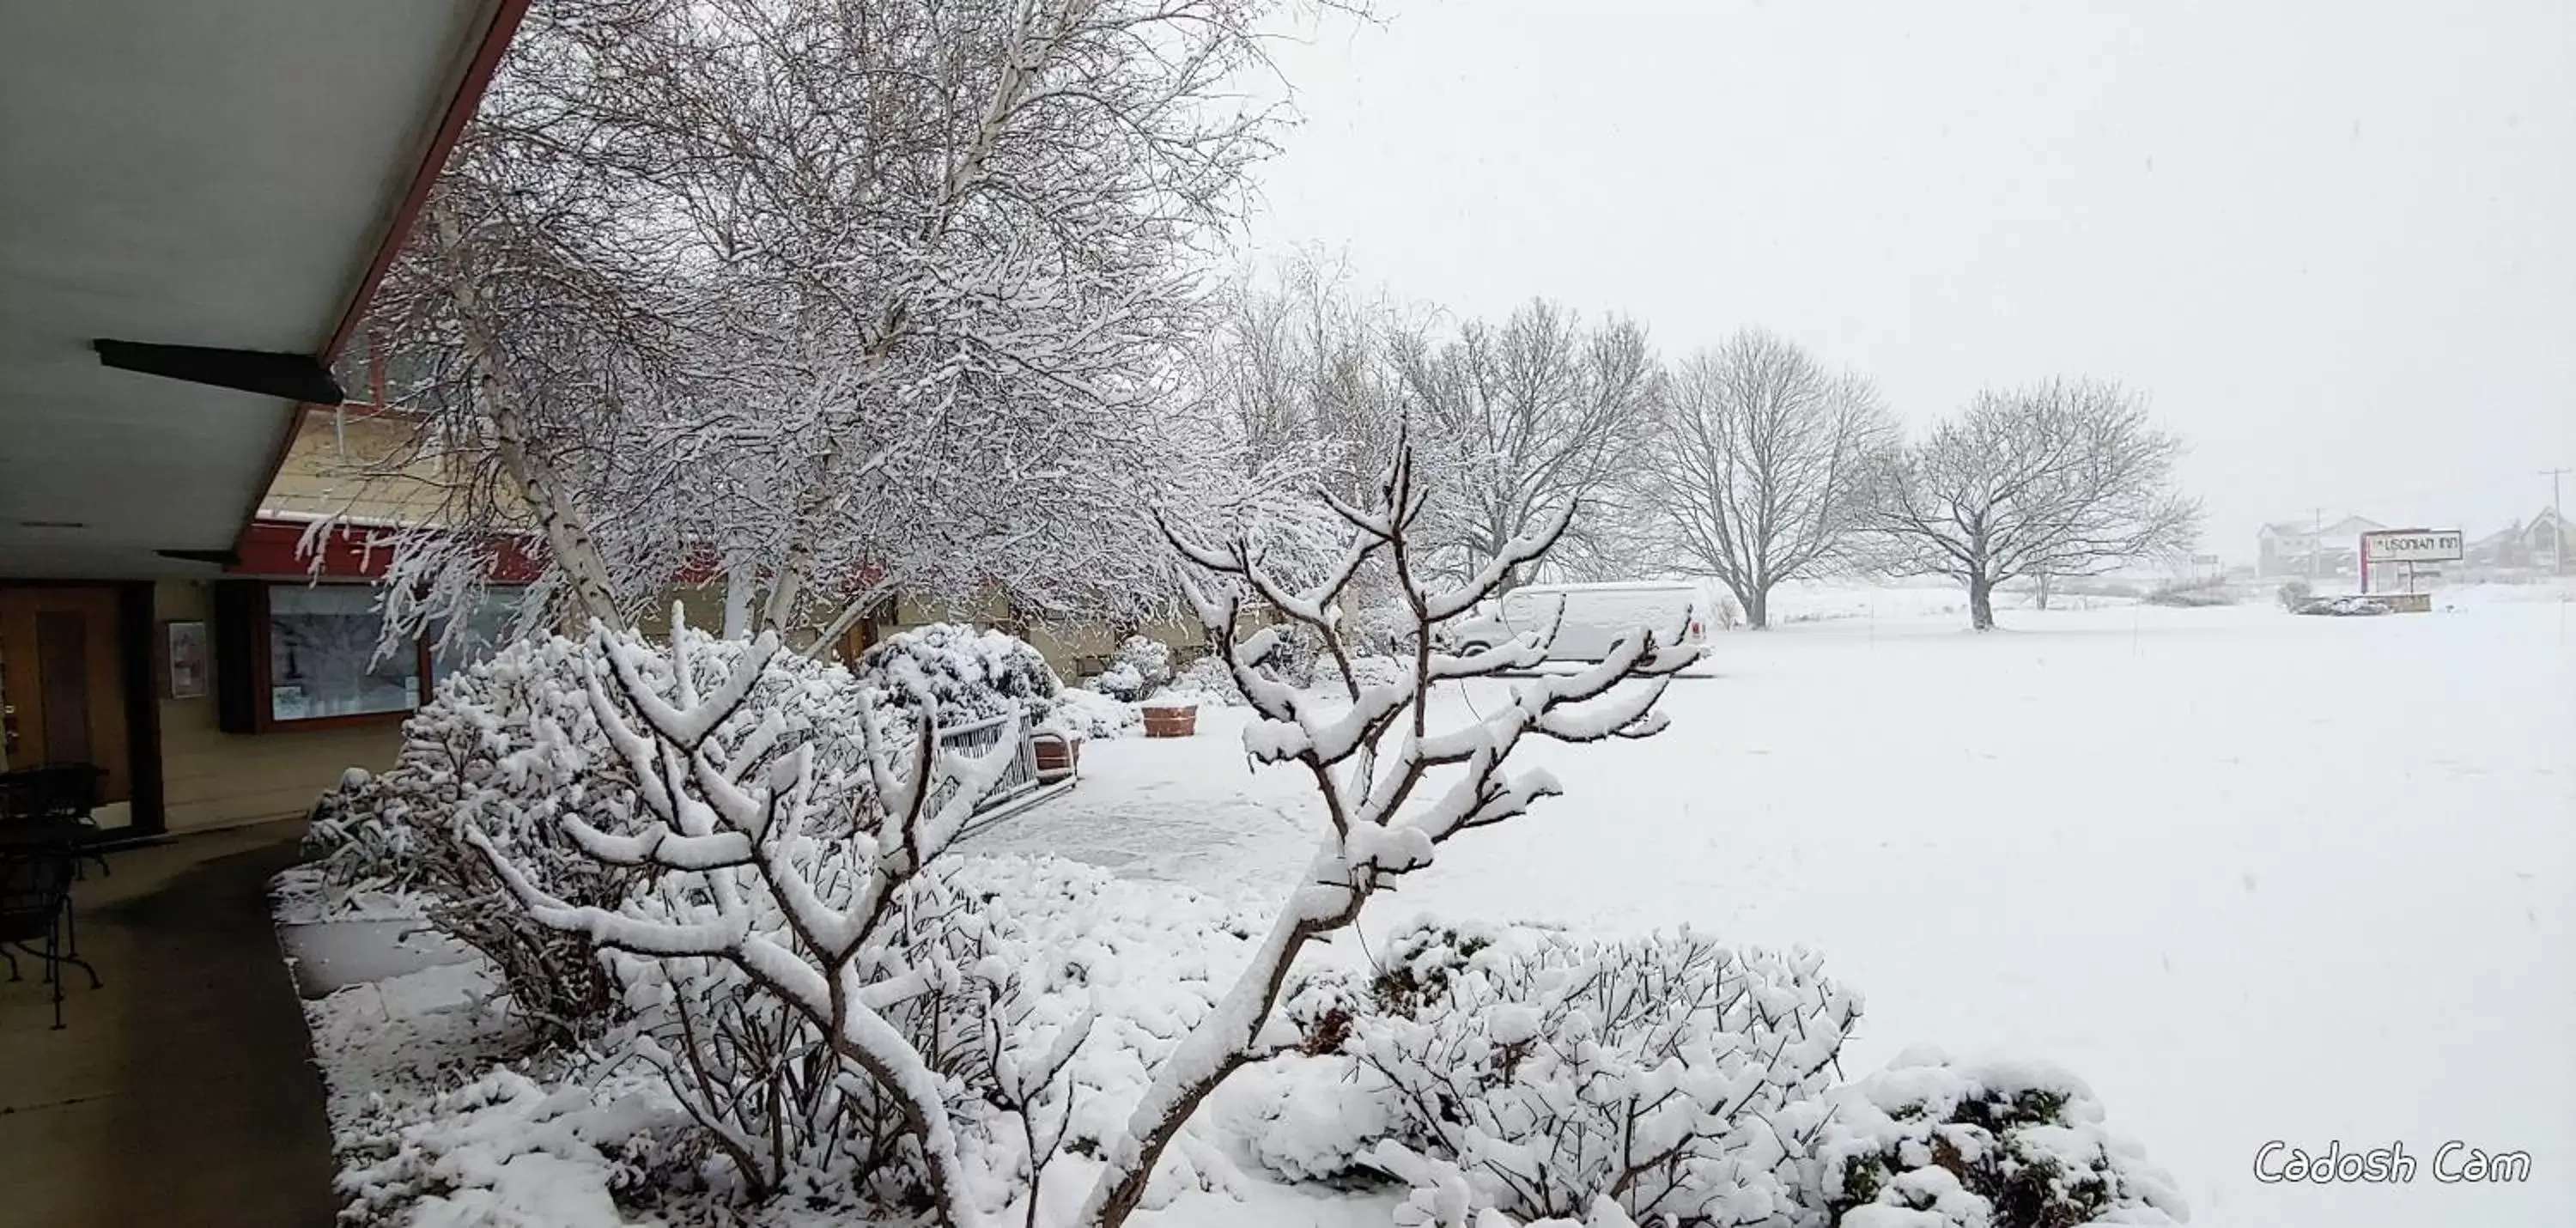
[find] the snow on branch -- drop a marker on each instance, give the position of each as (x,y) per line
(1393,788)
(729,808)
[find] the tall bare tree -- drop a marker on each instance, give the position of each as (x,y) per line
(1301,366)
(1762,468)
(1533,418)
(2064,478)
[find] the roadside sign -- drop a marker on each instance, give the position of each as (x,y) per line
(2408,547)
(2412,545)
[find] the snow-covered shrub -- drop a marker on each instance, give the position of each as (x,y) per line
(1119,680)
(2345,607)
(1442,1195)
(1672,1075)
(969,673)
(973,967)
(1089,714)
(511,741)
(2293,594)
(1050,956)
(501,1146)
(2191,594)
(1208,682)
(764,906)
(511,747)
(1930,1143)
(1141,667)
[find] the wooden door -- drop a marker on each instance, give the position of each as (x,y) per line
(61,681)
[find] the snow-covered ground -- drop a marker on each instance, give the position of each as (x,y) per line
(2255,876)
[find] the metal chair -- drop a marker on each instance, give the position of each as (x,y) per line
(57,799)
(36,906)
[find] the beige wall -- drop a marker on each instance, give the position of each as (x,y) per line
(326,472)
(702,606)
(215,779)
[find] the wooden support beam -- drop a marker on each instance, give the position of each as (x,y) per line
(292,377)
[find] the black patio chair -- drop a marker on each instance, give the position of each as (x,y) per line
(36,906)
(58,799)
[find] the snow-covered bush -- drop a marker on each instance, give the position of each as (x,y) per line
(1089,714)
(1141,667)
(1674,1076)
(779,901)
(1206,681)
(2345,607)
(1119,680)
(970,674)
(513,746)
(1443,1195)
(2191,594)
(1930,1143)
(2293,594)
(511,741)
(1055,964)
(505,1148)
(1398,788)
(974,967)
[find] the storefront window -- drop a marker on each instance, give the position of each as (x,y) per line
(483,633)
(326,657)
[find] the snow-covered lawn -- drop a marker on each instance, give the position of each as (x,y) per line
(2254,876)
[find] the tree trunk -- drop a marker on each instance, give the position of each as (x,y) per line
(737,602)
(1757,608)
(1981,602)
(566,532)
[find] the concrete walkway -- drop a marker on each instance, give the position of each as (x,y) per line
(184,1092)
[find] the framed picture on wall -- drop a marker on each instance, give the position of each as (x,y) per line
(185,643)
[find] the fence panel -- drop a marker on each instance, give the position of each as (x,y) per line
(978,738)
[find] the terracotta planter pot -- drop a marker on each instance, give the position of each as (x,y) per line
(1171,720)
(1058,756)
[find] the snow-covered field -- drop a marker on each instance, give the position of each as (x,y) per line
(2253,876)
(2256,877)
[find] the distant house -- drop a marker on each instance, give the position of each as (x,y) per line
(2543,541)
(2294,548)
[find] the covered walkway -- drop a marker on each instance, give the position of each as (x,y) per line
(184,1091)
(199,202)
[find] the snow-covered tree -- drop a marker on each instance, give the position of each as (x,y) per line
(2063,478)
(1302,365)
(1761,468)
(1394,788)
(1527,421)
(830,298)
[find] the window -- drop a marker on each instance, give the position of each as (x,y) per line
(299,655)
(484,631)
(324,658)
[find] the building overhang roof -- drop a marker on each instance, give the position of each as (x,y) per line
(218,187)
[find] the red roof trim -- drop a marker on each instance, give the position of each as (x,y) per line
(355,552)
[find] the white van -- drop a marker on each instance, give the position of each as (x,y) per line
(1588,618)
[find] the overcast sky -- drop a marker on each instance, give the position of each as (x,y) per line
(2335,243)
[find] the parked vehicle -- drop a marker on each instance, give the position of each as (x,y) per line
(1586,619)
